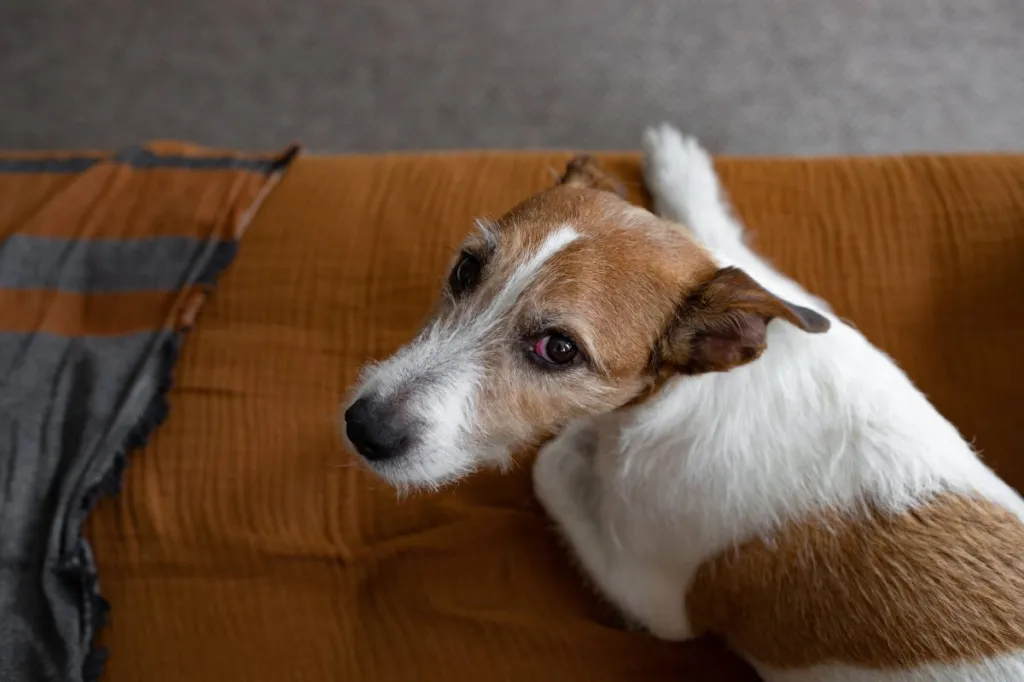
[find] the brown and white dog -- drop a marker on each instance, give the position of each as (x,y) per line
(731,457)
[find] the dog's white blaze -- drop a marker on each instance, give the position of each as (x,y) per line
(460,341)
(526,272)
(450,353)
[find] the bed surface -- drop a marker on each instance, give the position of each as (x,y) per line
(247,544)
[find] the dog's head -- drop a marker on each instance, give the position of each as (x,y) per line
(573,303)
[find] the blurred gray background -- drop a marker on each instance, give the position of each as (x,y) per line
(749,76)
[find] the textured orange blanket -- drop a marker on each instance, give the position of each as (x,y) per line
(247,546)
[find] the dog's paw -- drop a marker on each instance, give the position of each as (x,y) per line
(628,624)
(563,476)
(554,471)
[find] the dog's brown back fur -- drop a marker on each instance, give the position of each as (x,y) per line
(942,583)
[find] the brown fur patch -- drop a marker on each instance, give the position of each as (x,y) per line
(941,583)
(584,171)
(616,291)
(724,324)
(627,280)
(613,290)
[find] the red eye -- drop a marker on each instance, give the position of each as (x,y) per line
(556,349)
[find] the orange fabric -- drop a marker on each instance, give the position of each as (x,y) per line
(247,546)
(114,200)
(68,313)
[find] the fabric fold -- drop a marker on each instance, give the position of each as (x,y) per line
(104,262)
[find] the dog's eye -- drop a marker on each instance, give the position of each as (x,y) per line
(556,349)
(466,274)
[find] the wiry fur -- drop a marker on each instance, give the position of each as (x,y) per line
(572,259)
(446,364)
(827,422)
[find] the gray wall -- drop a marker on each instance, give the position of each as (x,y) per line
(749,76)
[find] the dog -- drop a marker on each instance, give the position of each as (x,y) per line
(728,457)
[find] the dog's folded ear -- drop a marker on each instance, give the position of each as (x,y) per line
(584,171)
(723,324)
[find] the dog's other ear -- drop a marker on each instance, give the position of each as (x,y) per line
(585,171)
(723,324)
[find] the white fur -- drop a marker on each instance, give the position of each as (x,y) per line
(1002,668)
(526,272)
(644,496)
(682,180)
(443,365)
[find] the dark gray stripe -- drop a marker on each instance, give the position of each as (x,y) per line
(70,408)
(109,265)
(70,164)
(58,396)
(31,365)
(139,157)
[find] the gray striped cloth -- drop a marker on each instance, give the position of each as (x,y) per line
(104,262)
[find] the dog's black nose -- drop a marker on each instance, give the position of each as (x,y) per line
(377,433)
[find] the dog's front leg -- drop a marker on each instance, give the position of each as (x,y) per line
(566,484)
